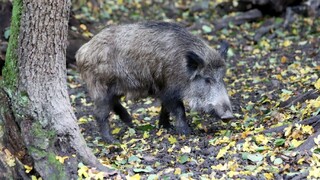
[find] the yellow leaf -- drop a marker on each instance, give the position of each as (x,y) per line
(284,59)
(296,143)
(222,152)
(199,126)
(87,34)
(99,175)
(297,58)
(256,51)
(116,131)
(172,139)
(186,149)
(249,147)
(28,168)
(314,172)
(120,2)
(307,129)
(9,158)
(300,161)
(261,139)
(287,131)
(154,109)
(287,43)
(33,177)
(83,120)
(221,141)
(84,102)
(317,84)
(209,37)
(134,177)
(145,135)
(83,171)
(268,176)
(265,44)
(177,171)
(73,85)
(279,77)
(220,167)
(232,173)
(83,27)
(159,132)
(61,159)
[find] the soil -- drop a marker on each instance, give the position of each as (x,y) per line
(255,88)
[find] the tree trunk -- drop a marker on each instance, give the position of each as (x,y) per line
(36,102)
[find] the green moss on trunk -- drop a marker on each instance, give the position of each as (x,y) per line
(10,71)
(43,141)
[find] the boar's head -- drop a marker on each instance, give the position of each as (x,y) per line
(207,90)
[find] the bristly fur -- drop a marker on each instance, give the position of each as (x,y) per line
(141,58)
(154,58)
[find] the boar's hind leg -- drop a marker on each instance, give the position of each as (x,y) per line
(122,112)
(164,120)
(102,111)
(176,108)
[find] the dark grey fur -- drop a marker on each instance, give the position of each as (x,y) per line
(154,58)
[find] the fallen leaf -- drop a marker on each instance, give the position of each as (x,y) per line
(172,139)
(134,177)
(317,84)
(61,159)
(186,149)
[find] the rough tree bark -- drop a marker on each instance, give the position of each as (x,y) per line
(36,117)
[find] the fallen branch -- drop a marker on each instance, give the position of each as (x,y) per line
(264,30)
(242,18)
(313,121)
(313,94)
(309,143)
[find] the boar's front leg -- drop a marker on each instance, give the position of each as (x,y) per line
(174,105)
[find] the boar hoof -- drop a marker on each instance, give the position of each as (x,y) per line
(184,130)
(165,125)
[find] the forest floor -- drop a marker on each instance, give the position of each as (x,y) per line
(260,77)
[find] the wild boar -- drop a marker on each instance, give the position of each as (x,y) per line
(158,59)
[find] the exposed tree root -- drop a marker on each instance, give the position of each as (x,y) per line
(313,121)
(309,143)
(300,98)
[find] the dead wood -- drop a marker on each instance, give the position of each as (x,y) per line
(300,98)
(313,121)
(264,29)
(244,17)
(309,143)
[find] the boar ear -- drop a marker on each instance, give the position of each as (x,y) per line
(224,47)
(193,61)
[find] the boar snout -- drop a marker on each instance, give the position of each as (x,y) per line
(227,116)
(223,112)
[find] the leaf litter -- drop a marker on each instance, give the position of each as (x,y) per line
(259,77)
